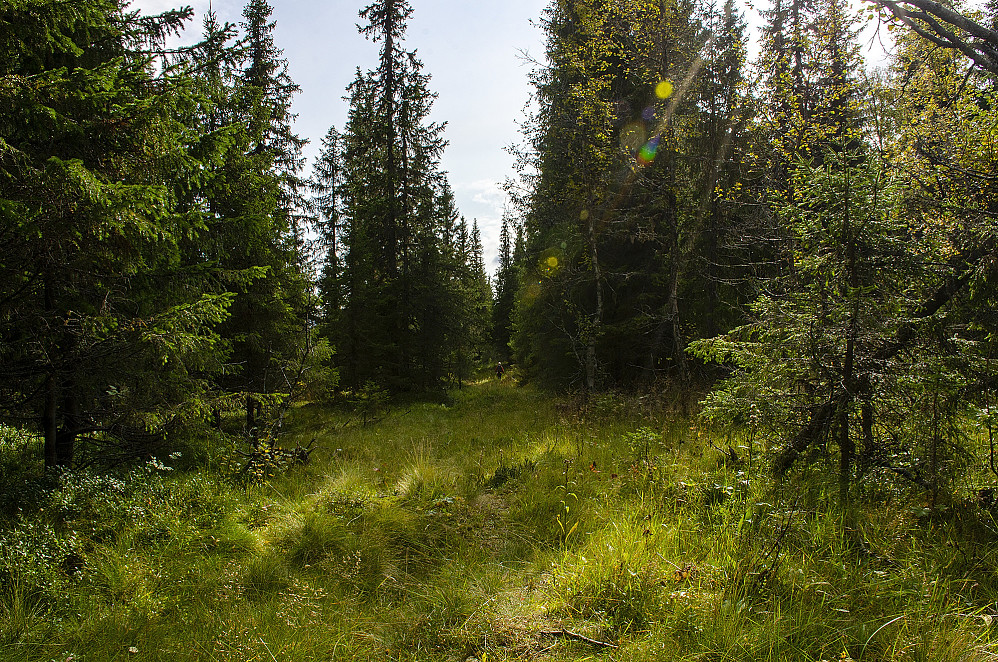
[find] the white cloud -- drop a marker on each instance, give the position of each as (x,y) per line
(483,192)
(484,201)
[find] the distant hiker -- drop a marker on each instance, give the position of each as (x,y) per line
(500,370)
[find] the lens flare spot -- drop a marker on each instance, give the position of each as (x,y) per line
(633,136)
(664,89)
(549,263)
(646,155)
(648,113)
(583,216)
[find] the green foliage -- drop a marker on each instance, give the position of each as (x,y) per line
(832,238)
(98,159)
(37,563)
(369,401)
(624,218)
(19,454)
(864,342)
(153,255)
(254,198)
(79,523)
(265,576)
(848,272)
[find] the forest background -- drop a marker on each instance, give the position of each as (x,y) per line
(803,248)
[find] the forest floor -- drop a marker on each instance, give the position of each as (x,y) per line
(503,524)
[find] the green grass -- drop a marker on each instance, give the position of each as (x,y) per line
(474,529)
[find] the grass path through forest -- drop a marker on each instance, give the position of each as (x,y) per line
(503,524)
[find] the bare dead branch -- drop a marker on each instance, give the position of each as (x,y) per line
(946,28)
(578,637)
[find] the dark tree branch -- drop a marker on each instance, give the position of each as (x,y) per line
(947,28)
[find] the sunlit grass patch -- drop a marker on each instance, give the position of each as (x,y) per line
(423,477)
(478,526)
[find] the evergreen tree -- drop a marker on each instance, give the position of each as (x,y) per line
(817,344)
(641,115)
(506,285)
(472,335)
(812,95)
(588,84)
(684,194)
(876,337)
(788,104)
(254,196)
(325,186)
(398,225)
(267,92)
(104,334)
(713,253)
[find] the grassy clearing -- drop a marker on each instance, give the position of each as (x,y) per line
(487,528)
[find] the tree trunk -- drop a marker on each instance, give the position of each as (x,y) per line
(49,420)
(50,410)
(847,445)
(678,345)
(866,422)
(847,451)
(676,268)
(653,349)
(252,409)
(65,439)
(594,331)
(391,165)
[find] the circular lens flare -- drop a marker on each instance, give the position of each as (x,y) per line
(664,89)
(646,155)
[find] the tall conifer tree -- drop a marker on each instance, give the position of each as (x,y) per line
(640,112)
(104,334)
(506,285)
(400,309)
(255,198)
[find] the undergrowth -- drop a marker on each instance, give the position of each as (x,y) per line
(497,525)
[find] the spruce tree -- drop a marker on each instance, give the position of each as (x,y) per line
(397,221)
(255,199)
(104,333)
(506,285)
(864,349)
(640,114)
(325,186)
(575,145)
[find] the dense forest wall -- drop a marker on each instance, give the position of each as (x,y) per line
(817,236)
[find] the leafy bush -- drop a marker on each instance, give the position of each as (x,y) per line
(20,457)
(68,514)
(37,560)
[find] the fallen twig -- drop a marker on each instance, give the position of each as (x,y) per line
(730,453)
(578,637)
